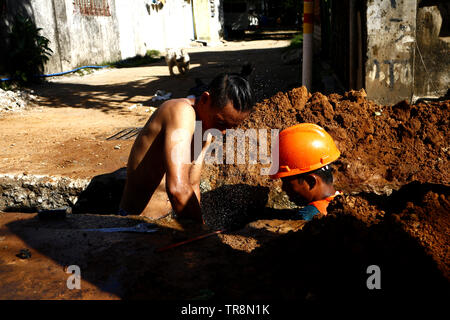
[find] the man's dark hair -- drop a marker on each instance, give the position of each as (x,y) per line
(231,87)
(325,173)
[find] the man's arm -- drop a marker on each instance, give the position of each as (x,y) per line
(196,168)
(179,129)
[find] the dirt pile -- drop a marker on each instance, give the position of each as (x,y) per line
(406,236)
(419,211)
(383,147)
(394,171)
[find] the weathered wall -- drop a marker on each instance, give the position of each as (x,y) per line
(144,26)
(432,63)
(408,43)
(85,40)
(217,20)
(129,28)
(391,28)
(76,39)
(208,20)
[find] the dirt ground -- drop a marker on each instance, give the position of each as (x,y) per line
(66,134)
(272,258)
(268,253)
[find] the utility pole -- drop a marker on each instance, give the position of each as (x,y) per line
(308,29)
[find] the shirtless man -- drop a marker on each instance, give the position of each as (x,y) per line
(158,182)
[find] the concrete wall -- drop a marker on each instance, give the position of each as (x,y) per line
(391,29)
(76,39)
(408,50)
(432,62)
(208,17)
(144,26)
(201,18)
(133,27)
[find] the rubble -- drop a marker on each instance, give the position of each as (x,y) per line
(14,101)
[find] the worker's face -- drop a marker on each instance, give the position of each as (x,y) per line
(224,118)
(298,190)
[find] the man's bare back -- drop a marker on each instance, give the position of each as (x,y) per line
(145,189)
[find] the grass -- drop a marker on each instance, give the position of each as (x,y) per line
(136,61)
(296,41)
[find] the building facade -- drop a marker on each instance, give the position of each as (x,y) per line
(83,32)
(395,49)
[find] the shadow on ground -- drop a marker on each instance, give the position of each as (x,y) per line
(103,193)
(269,77)
(264,34)
(325,262)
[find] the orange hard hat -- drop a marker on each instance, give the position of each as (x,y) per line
(303,148)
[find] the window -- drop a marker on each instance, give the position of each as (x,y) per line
(92,7)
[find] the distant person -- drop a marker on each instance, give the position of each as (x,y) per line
(305,153)
(158,183)
(253,20)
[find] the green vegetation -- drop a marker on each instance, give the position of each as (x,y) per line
(296,41)
(28,51)
(6,85)
(139,60)
(83,72)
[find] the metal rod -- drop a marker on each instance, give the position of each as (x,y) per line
(174,245)
(308,29)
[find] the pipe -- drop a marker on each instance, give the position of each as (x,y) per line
(60,73)
(308,29)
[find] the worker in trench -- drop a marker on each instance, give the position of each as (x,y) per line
(164,166)
(306,152)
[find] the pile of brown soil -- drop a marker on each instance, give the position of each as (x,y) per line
(382,147)
(394,172)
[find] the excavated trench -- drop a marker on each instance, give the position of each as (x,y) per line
(325,260)
(394,211)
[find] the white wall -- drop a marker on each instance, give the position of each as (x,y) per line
(134,27)
(216,24)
